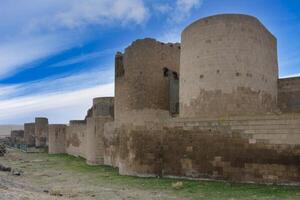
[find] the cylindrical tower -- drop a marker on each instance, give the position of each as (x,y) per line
(41,132)
(141,88)
(29,134)
(228,66)
(102,113)
(57,137)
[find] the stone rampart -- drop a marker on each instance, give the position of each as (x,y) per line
(29,134)
(262,149)
(289,94)
(57,138)
(76,138)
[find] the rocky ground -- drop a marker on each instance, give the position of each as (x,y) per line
(42,176)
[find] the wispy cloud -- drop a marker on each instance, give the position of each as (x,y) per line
(178,10)
(73,82)
(184,8)
(39,30)
(60,99)
(15,54)
(84,57)
(175,13)
(291,75)
(80,13)
(58,107)
(171,35)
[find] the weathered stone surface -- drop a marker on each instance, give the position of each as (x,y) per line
(57,138)
(41,132)
(111,145)
(213,149)
(289,94)
(102,112)
(17,137)
(29,134)
(141,89)
(76,138)
(228,66)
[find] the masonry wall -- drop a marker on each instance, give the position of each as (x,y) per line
(262,149)
(102,112)
(228,66)
(289,94)
(141,90)
(76,138)
(57,138)
(17,137)
(111,144)
(29,134)
(41,132)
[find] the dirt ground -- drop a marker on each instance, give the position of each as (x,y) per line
(41,179)
(43,176)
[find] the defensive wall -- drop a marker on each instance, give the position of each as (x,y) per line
(76,138)
(29,134)
(57,138)
(41,132)
(17,136)
(211,107)
(102,112)
(263,149)
(289,94)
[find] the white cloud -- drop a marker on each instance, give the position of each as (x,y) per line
(59,98)
(80,13)
(291,75)
(162,8)
(171,35)
(31,30)
(58,84)
(84,57)
(183,9)
(14,54)
(177,11)
(58,107)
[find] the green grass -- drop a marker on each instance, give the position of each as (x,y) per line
(191,189)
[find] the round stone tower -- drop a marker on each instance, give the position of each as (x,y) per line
(228,66)
(141,86)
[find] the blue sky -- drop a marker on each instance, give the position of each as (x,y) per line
(56,55)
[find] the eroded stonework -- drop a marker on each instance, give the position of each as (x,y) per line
(228,66)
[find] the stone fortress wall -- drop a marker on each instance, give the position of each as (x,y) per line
(17,136)
(76,138)
(41,132)
(29,134)
(289,94)
(57,138)
(211,107)
(102,112)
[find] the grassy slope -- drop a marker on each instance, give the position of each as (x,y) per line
(191,189)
